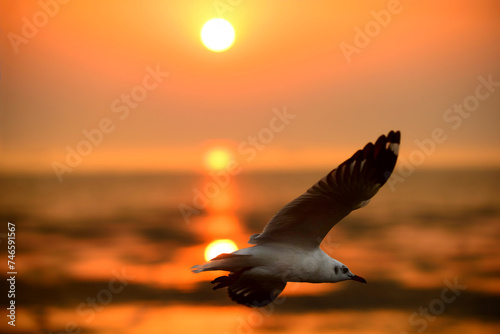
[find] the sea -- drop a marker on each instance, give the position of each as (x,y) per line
(111,253)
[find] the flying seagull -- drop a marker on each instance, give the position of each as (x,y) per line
(288,249)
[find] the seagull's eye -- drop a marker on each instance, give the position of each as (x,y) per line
(344,270)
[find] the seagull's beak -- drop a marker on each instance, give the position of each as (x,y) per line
(358,279)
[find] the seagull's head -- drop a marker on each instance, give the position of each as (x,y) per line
(342,273)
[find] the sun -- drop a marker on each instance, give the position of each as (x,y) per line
(218,247)
(217,35)
(217,158)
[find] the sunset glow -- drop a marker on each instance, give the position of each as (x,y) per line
(218,247)
(139,140)
(149,78)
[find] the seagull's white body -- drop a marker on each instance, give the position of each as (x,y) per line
(293,264)
(288,249)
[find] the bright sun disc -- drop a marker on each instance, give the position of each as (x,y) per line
(218,247)
(217,158)
(217,35)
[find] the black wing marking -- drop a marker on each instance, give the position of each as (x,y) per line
(253,291)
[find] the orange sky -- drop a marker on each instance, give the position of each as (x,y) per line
(69,75)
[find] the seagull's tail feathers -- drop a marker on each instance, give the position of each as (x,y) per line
(229,262)
(243,285)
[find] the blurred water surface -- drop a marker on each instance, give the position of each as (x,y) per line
(111,254)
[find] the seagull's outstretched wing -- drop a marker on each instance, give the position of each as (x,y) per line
(306,220)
